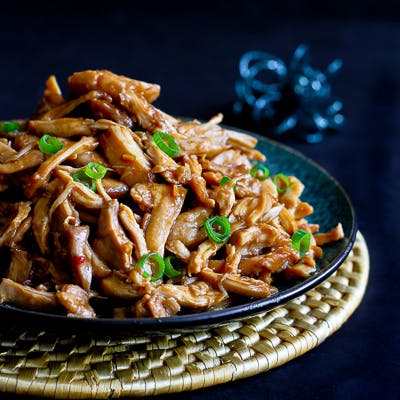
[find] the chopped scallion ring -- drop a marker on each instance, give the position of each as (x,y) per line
(166,143)
(224,228)
(170,270)
(224,180)
(154,270)
(301,241)
(49,144)
(95,171)
(259,171)
(282,183)
(10,126)
(81,177)
(89,174)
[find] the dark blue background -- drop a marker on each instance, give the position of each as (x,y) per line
(192,51)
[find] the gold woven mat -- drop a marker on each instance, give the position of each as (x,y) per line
(76,368)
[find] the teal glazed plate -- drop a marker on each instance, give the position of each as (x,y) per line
(331,205)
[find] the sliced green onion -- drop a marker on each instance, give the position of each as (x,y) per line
(224,180)
(10,126)
(49,144)
(81,177)
(95,171)
(154,270)
(255,172)
(89,174)
(282,183)
(166,143)
(223,228)
(301,241)
(170,270)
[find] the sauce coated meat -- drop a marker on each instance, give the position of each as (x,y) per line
(111,207)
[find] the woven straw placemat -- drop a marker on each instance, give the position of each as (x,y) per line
(82,368)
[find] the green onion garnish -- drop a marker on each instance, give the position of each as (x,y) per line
(95,171)
(166,143)
(89,174)
(9,126)
(301,241)
(282,183)
(224,180)
(170,270)
(81,177)
(49,144)
(224,228)
(154,270)
(255,172)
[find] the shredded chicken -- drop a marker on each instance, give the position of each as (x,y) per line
(26,296)
(125,155)
(75,300)
(64,127)
(328,237)
(20,265)
(18,213)
(119,286)
(88,228)
(111,242)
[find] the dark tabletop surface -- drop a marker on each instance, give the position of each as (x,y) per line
(193,52)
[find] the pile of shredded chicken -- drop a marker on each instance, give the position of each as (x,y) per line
(71,250)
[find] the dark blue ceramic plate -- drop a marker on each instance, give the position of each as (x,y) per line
(331,205)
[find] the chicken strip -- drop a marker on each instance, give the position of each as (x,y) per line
(168,201)
(29,160)
(108,82)
(134,96)
(125,155)
(75,300)
(42,175)
(64,127)
(135,231)
(19,212)
(188,228)
(81,267)
(111,243)
(20,265)
(238,284)
(27,297)
(117,286)
(331,236)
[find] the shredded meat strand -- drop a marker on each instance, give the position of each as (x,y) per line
(85,230)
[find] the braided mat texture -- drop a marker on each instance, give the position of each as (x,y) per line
(83,368)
